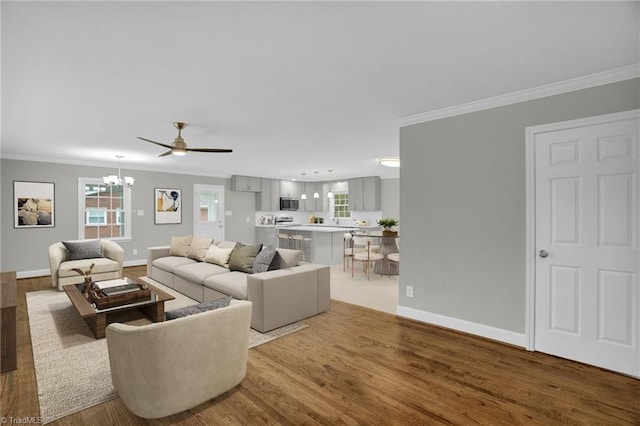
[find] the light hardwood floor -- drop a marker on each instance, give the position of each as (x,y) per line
(357,366)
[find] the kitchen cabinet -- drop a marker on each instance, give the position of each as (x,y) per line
(312,204)
(356,191)
(267,235)
(268,199)
(246,183)
(364,194)
(290,188)
(371,193)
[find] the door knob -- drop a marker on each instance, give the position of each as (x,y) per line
(543,253)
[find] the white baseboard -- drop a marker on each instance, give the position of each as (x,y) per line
(493,333)
(44,272)
(34,273)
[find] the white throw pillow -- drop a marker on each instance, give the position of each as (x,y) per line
(218,256)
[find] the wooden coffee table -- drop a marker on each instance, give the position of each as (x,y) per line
(96,319)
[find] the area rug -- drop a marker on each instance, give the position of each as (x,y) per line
(72,367)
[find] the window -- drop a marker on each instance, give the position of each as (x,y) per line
(208,207)
(96,216)
(341,205)
(104,210)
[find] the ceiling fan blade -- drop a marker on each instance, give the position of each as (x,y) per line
(209,150)
(165,154)
(157,143)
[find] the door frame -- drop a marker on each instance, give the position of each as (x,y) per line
(530,251)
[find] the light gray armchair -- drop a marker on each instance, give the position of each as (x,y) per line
(108,267)
(168,367)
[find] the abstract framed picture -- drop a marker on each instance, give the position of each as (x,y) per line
(168,206)
(33,204)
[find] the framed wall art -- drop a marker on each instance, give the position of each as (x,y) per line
(33,204)
(168,206)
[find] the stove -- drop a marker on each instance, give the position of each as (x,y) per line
(284,220)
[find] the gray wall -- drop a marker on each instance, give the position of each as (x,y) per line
(462,186)
(26,249)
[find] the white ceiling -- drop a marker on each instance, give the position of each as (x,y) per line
(291,87)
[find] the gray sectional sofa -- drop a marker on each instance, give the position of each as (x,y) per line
(291,291)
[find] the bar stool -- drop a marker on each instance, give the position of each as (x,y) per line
(284,237)
(299,242)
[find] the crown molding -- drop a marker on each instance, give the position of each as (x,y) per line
(579,83)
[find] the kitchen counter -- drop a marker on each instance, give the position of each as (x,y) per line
(320,244)
(333,225)
(321,228)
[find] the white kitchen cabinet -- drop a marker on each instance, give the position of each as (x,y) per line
(290,188)
(364,194)
(268,199)
(246,183)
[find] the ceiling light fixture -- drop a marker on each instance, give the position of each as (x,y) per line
(329,194)
(113,180)
(315,194)
(389,161)
(304,194)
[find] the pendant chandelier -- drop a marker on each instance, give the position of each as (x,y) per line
(113,180)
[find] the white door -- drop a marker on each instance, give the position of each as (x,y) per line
(209,211)
(587,294)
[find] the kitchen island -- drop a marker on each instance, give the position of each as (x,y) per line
(321,243)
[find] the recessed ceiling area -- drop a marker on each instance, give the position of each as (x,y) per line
(288,86)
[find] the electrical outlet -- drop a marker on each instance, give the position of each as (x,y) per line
(135,251)
(409,291)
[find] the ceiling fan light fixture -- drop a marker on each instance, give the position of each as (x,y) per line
(389,161)
(179,146)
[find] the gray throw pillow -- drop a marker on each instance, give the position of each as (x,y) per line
(242,257)
(83,249)
(288,258)
(196,309)
(264,259)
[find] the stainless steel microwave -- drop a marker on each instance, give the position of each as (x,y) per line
(289,203)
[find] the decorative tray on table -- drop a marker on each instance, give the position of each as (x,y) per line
(123,294)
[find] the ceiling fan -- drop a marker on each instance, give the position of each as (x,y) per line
(179,146)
